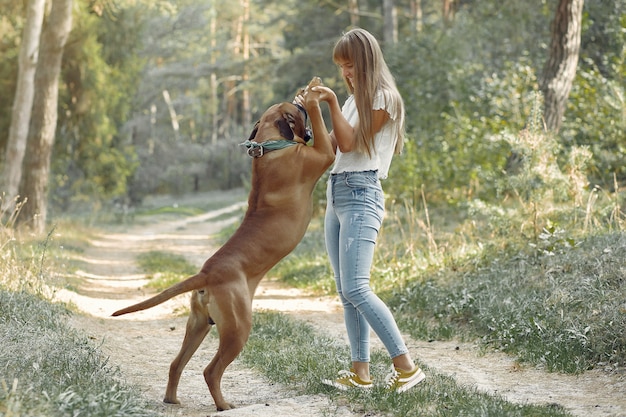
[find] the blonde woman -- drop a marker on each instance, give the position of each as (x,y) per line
(367,130)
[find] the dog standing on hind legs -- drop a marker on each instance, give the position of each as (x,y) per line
(284,173)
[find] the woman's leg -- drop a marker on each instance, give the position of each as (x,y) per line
(359,207)
(357,327)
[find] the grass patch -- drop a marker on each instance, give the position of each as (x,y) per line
(563,311)
(270,350)
(165,269)
(27,264)
(58,371)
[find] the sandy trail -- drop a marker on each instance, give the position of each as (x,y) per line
(144,343)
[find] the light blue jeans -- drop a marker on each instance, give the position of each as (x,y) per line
(354,213)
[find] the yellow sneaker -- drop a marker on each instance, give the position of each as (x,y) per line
(348,379)
(400,381)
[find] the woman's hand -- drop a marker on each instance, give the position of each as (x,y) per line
(324,94)
(311,98)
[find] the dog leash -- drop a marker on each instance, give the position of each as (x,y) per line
(257,150)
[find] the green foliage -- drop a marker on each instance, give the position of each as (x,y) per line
(463,89)
(543,189)
(595,119)
(466,83)
(11,25)
(464,155)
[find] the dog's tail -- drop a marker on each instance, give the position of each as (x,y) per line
(189,284)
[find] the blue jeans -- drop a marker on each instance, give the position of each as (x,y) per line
(354,214)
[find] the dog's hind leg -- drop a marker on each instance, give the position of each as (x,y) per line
(198,326)
(234,331)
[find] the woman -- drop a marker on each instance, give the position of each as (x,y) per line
(367,130)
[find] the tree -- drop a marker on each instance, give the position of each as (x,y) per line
(416,17)
(390,25)
(34,185)
(23,100)
(560,69)
(449,10)
(246,109)
(353,8)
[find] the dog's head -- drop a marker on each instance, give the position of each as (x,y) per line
(286,119)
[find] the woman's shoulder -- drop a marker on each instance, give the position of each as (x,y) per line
(386,100)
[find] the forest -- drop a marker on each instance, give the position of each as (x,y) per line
(121,169)
(155,96)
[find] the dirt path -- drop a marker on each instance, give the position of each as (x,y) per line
(144,343)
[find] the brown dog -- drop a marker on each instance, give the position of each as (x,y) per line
(279,211)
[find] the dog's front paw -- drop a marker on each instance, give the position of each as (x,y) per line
(315,81)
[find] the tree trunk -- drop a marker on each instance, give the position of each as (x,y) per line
(230,114)
(560,69)
(22,102)
(214,84)
(173,115)
(417,18)
(448,11)
(390,26)
(245,104)
(34,185)
(353,7)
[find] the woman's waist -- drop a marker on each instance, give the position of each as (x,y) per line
(372,173)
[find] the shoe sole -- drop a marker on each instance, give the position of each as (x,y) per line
(420,376)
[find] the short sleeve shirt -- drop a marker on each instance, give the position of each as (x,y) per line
(384,141)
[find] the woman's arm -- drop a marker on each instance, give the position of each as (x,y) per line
(343,134)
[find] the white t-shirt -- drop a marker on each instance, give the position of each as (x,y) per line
(384,141)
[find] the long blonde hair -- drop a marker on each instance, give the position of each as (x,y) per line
(371,74)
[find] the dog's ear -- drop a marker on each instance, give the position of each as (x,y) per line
(254,130)
(284,127)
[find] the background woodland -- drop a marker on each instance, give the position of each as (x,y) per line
(155,96)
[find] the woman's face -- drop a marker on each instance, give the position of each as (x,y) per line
(347,71)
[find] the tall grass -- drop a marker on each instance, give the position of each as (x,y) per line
(16,275)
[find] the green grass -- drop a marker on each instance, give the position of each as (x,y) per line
(270,350)
(58,371)
(165,269)
(563,311)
